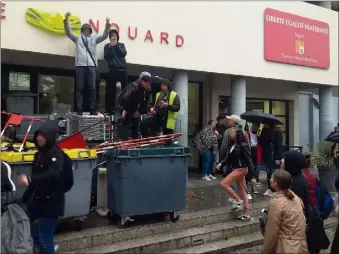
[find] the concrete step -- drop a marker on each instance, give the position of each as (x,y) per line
(237,243)
(224,246)
(185,238)
(109,234)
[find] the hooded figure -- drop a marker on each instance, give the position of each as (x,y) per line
(45,197)
(130,99)
(115,53)
(294,162)
(165,111)
(46,184)
(86,62)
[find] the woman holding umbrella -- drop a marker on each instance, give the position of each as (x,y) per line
(270,141)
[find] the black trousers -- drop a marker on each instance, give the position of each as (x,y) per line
(111,88)
(85,76)
(152,126)
(130,127)
(254,151)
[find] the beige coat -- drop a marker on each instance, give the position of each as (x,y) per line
(285,227)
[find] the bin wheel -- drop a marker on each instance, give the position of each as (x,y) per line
(78,225)
(174,217)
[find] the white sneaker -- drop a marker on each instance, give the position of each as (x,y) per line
(231,200)
(249,196)
(212,177)
(268,193)
(237,205)
(206,178)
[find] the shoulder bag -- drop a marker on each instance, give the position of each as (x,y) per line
(97,73)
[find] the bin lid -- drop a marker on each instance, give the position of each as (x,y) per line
(81,153)
(23,157)
(29,145)
(18,157)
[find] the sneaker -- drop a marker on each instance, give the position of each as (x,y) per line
(249,196)
(231,200)
(268,193)
(206,178)
(244,218)
(212,177)
(237,205)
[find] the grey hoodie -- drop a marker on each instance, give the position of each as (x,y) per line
(82,58)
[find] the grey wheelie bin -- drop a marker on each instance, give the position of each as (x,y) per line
(78,199)
(146,181)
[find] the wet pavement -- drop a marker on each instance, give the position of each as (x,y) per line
(204,196)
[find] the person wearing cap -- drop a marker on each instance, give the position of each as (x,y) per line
(232,121)
(130,99)
(164,112)
(86,62)
(115,55)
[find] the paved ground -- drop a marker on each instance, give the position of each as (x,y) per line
(206,195)
(257,249)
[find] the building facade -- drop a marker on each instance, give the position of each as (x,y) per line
(270,56)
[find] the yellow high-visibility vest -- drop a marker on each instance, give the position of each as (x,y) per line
(172,116)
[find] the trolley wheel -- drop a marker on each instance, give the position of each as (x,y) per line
(174,217)
(78,225)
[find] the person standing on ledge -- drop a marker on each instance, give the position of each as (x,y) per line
(86,62)
(115,53)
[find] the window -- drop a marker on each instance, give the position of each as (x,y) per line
(55,92)
(279,108)
(258,105)
(19,81)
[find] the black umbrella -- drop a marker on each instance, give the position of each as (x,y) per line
(333,137)
(260,117)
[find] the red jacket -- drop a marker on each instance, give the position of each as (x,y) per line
(259,149)
(312,181)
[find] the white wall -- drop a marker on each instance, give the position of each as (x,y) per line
(220,37)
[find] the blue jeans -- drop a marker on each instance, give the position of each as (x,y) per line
(207,163)
(43,234)
(270,167)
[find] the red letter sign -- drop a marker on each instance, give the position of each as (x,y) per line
(94,27)
(163,37)
(179,41)
(132,37)
(148,36)
(3,9)
(115,26)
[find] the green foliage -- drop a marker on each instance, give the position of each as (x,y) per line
(324,154)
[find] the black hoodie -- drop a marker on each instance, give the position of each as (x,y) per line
(46,184)
(294,163)
(115,55)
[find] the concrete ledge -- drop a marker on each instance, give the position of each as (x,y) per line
(182,239)
(90,238)
(236,243)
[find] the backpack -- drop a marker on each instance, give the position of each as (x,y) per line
(325,201)
(15,231)
(68,174)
